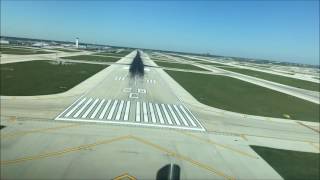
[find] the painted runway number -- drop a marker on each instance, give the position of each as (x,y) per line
(134,94)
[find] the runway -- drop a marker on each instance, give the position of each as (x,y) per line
(132,100)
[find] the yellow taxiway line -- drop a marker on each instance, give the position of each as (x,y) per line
(21,133)
(218,144)
(104,142)
(313,129)
(182,157)
(61,152)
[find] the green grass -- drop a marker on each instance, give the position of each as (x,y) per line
(291,165)
(22,51)
(43,77)
(214,64)
(179,66)
(109,54)
(124,53)
(120,54)
(92,58)
(238,96)
(277,78)
(66,50)
(162,59)
(19,47)
(186,58)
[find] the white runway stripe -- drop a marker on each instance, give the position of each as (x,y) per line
(82,108)
(75,107)
(117,78)
(153,117)
(113,108)
(93,115)
(127,111)
(119,110)
(151,81)
(166,114)
(159,114)
(71,106)
(138,112)
(116,111)
(90,108)
(187,115)
(145,112)
(191,114)
(174,115)
(180,115)
(105,109)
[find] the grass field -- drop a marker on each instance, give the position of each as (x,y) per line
(179,66)
(124,53)
(120,54)
(277,78)
(109,54)
(92,58)
(22,51)
(238,96)
(291,165)
(214,64)
(186,58)
(43,77)
(164,60)
(66,50)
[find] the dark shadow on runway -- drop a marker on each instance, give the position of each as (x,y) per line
(137,66)
(169,172)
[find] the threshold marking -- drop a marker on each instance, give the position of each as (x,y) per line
(126,112)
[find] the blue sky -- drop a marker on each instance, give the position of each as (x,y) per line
(276,30)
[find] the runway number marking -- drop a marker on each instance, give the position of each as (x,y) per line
(135,94)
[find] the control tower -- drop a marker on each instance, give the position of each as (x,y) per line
(77,42)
